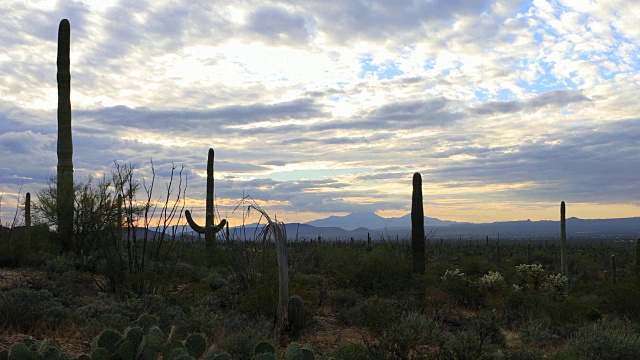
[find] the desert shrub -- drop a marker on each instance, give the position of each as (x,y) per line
(492,282)
(605,341)
(345,301)
(215,280)
(351,351)
(476,265)
(569,313)
(523,353)
(481,339)
(72,287)
(60,264)
(406,334)
(25,309)
(376,273)
(381,274)
(538,331)
(312,289)
(462,290)
(465,346)
(22,247)
(564,353)
(241,345)
(621,298)
(378,314)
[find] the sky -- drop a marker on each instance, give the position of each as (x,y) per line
(319,108)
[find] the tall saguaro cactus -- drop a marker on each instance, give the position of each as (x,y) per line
(27,210)
(564,266)
(614,269)
(209,230)
(417,225)
(65,145)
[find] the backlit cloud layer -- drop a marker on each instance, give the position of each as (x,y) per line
(317,108)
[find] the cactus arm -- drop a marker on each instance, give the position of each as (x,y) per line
(203,229)
(219,227)
(195,227)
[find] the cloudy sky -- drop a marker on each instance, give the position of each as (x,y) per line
(319,108)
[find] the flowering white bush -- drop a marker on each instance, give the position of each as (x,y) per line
(554,284)
(492,281)
(530,275)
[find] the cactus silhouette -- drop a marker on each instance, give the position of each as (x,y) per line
(417,225)
(209,230)
(564,266)
(614,269)
(65,145)
(296,315)
(27,210)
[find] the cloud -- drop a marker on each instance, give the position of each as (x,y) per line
(493,101)
(277,25)
(557,98)
(198,121)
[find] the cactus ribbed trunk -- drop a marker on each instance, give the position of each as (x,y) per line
(27,210)
(564,265)
(210,235)
(417,225)
(65,145)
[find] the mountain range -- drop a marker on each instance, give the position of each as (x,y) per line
(359,225)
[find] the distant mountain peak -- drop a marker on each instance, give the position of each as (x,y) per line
(372,221)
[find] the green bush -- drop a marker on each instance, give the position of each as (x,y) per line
(407,334)
(240,345)
(351,351)
(19,247)
(538,331)
(604,341)
(523,353)
(460,287)
(345,301)
(378,314)
(24,309)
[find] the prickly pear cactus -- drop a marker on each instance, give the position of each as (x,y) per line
(264,347)
(265,356)
(107,340)
(223,356)
(196,345)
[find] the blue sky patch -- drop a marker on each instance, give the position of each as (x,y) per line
(384,71)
